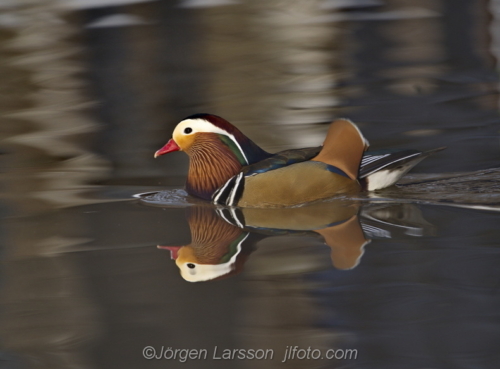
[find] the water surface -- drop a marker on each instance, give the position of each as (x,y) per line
(408,277)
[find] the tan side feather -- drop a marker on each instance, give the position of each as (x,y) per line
(343,147)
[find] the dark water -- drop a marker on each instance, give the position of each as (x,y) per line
(407,278)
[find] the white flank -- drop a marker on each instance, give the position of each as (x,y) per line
(410,165)
(383,179)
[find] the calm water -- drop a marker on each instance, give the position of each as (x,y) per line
(405,278)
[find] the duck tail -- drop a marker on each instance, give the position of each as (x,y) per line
(383,168)
(343,147)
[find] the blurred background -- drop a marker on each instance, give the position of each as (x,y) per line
(90,89)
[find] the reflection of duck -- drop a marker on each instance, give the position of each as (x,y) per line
(217,247)
(230,169)
(222,239)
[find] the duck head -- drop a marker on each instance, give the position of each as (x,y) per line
(217,151)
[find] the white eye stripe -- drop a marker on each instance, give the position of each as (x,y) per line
(202,125)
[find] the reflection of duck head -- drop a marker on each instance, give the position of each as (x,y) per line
(222,239)
(217,249)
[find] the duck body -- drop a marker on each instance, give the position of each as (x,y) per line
(228,168)
(287,186)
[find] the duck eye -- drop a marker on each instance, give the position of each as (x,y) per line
(188,130)
(190,266)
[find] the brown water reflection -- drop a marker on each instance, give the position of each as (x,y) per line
(90,89)
(223,238)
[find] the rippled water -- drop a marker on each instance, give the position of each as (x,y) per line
(404,278)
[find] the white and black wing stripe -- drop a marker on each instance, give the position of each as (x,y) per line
(371,163)
(223,192)
(230,193)
(381,169)
(367,159)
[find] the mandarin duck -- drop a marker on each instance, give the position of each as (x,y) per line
(228,168)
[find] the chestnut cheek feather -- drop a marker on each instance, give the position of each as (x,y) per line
(211,164)
(169,147)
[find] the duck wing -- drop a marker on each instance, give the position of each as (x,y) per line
(281,159)
(383,168)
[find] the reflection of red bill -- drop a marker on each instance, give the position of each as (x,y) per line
(173,250)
